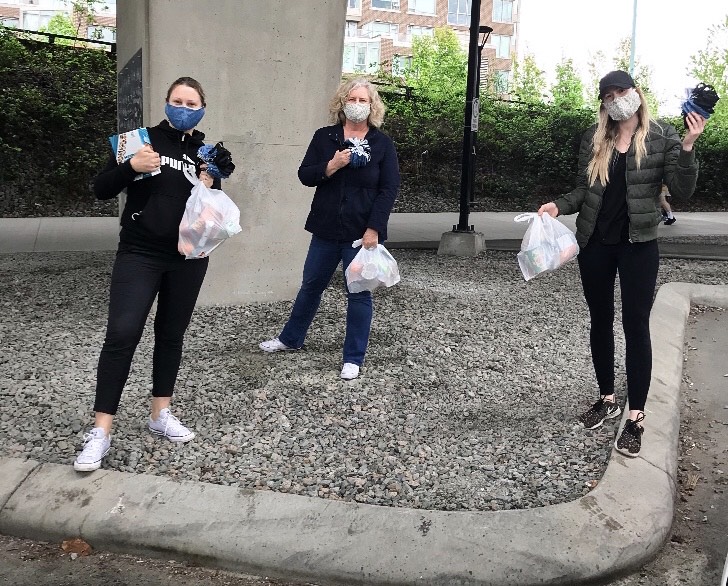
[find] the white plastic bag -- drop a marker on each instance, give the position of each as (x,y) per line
(546,246)
(210,218)
(370,269)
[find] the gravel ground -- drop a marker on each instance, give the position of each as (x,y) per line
(466,401)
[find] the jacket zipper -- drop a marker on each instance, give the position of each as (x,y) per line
(626,193)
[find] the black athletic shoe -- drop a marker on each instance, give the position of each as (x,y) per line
(630,442)
(670,221)
(598,412)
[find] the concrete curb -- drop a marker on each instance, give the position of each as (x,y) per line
(607,532)
(691,250)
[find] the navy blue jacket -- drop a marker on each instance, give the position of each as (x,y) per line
(352,199)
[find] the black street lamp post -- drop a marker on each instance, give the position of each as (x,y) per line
(472,111)
(485,32)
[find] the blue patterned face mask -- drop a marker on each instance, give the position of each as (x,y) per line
(183,118)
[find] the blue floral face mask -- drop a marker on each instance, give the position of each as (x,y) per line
(183,118)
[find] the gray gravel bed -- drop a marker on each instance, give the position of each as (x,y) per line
(466,401)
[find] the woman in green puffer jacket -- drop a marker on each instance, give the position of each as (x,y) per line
(623,161)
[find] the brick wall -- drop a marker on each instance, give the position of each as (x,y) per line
(403,18)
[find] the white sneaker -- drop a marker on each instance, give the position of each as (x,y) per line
(273,345)
(349,371)
(96,445)
(170,427)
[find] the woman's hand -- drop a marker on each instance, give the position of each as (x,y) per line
(204,177)
(145,160)
(370,239)
(549,208)
(341,159)
(696,125)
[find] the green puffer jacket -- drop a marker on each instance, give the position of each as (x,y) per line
(665,162)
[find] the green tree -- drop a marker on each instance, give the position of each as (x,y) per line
(568,91)
(710,66)
(529,82)
(439,69)
(61,24)
(599,66)
(642,74)
(84,13)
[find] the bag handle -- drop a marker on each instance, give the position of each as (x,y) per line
(527,217)
(191,177)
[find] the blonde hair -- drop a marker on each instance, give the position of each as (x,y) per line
(605,139)
(336,107)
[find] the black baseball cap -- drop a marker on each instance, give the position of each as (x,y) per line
(620,79)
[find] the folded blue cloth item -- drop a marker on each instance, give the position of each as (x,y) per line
(689,106)
(218,159)
(702,101)
(361,152)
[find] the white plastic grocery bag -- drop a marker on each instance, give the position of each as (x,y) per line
(546,246)
(370,269)
(210,218)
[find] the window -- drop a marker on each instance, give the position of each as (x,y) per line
(354,3)
(458,12)
(420,31)
(400,64)
(361,57)
(382,29)
(503,10)
(37,19)
(350,30)
(502,44)
(386,4)
(101,33)
(10,22)
(501,81)
(421,6)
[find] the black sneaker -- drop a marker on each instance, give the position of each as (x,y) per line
(630,442)
(598,412)
(670,221)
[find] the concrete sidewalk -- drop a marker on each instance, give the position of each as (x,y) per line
(405,231)
(607,532)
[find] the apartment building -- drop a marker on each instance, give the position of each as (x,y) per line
(33,15)
(381,32)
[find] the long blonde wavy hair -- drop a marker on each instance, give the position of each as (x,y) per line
(605,139)
(336,107)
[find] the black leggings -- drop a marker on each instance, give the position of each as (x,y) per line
(637,265)
(135,282)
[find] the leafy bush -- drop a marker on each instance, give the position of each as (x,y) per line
(59,108)
(526,155)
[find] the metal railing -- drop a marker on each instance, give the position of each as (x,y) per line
(24,33)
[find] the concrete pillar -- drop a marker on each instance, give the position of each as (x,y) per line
(269,68)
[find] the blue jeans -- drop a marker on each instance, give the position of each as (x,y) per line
(321,262)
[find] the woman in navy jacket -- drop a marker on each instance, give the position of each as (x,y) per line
(354,168)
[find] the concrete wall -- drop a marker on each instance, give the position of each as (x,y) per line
(269,68)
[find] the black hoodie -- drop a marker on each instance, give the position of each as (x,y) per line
(154,205)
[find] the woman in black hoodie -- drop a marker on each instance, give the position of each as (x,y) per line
(148,267)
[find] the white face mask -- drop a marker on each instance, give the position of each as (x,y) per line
(356,112)
(624,106)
